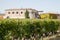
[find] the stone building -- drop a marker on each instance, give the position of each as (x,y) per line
(20,13)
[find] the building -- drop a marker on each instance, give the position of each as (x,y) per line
(49,16)
(58,17)
(39,12)
(20,13)
(2,15)
(32,14)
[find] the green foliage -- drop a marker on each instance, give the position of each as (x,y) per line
(21,27)
(26,14)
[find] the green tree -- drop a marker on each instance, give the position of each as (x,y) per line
(26,14)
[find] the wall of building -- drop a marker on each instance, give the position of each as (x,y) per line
(58,16)
(1,15)
(44,16)
(15,15)
(53,16)
(20,14)
(48,16)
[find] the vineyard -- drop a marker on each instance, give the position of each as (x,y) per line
(21,29)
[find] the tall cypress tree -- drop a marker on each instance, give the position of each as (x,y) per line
(26,14)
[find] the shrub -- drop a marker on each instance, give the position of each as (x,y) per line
(26,27)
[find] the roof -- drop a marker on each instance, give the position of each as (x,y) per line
(40,11)
(2,14)
(20,9)
(50,13)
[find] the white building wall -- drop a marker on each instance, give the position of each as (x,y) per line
(19,15)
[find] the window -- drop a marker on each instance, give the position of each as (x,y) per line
(8,12)
(16,12)
(12,12)
(21,12)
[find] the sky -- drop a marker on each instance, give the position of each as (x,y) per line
(44,5)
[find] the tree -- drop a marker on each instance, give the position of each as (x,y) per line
(26,14)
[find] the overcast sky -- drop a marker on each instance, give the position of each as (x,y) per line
(45,5)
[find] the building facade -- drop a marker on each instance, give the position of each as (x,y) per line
(2,15)
(48,16)
(20,13)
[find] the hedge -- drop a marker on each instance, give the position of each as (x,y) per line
(26,27)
